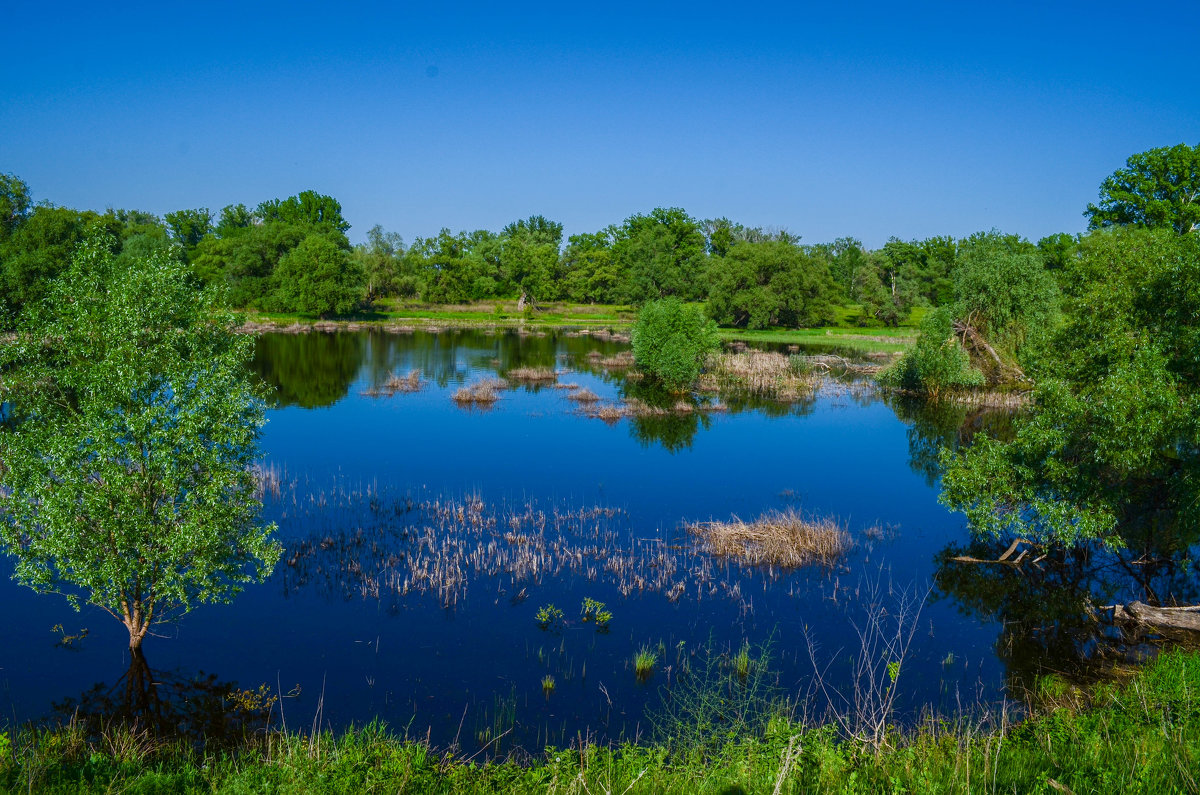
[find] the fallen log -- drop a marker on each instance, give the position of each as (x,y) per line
(1178,618)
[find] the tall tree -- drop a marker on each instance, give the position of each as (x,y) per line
(1157,188)
(318,277)
(130,427)
(14,204)
(661,254)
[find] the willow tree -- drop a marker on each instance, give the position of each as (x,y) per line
(129,431)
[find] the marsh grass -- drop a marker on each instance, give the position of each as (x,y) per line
(532,375)
(583,396)
(481,393)
(644,663)
(782,538)
(397,384)
(762,374)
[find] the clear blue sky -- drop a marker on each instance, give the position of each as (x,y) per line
(863,119)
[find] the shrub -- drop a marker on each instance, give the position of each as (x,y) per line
(936,363)
(671,341)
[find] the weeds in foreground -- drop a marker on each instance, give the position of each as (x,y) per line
(596,612)
(1142,737)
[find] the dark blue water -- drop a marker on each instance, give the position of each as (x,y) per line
(340,635)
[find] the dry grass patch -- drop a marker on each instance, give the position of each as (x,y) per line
(397,384)
(583,395)
(778,538)
(760,373)
(480,393)
(532,375)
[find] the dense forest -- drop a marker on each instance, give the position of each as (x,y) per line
(293,255)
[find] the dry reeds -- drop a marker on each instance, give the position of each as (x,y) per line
(532,375)
(779,538)
(397,384)
(760,373)
(481,393)
(583,396)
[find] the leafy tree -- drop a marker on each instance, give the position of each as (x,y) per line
(38,250)
(233,218)
(14,204)
(1111,450)
(244,260)
(659,255)
(189,227)
(770,283)
(317,277)
(379,259)
(307,209)
(129,431)
(671,341)
(529,258)
(1003,294)
(590,275)
(1157,188)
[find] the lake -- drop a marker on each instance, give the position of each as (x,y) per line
(424,534)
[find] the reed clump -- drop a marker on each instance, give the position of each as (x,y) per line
(764,374)
(583,396)
(481,393)
(782,538)
(398,384)
(532,375)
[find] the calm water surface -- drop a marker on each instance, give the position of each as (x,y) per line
(422,537)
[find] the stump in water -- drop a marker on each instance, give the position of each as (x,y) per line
(1171,618)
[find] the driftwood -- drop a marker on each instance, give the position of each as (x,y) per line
(1176,618)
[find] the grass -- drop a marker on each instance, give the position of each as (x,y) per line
(1139,737)
(764,374)
(532,375)
(598,319)
(481,393)
(547,684)
(779,538)
(644,662)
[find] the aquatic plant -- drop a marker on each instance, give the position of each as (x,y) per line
(595,611)
(548,616)
(533,375)
(782,538)
(481,393)
(644,662)
(763,374)
(547,684)
(397,384)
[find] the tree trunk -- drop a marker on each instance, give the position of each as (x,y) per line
(1177,618)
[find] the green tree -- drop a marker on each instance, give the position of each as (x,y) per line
(937,363)
(671,340)
(1111,449)
(770,283)
(318,277)
(189,227)
(379,259)
(38,250)
(590,275)
(14,204)
(308,209)
(661,254)
(1157,188)
(130,428)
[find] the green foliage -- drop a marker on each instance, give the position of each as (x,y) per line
(1158,188)
(14,204)
(937,363)
(770,283)
(658,255)
(595,611)
(549,616)
(317,277)
(1111,450)
(671,341)
(644,661)
(189,227)
(130,429)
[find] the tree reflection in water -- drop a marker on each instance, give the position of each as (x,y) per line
(194,708)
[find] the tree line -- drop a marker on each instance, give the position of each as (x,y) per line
(293,255)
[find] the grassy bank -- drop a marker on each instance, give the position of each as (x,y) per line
(1142,736)
(845,334)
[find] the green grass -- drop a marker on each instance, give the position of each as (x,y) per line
(1140,737)
(644,662)
(846,334)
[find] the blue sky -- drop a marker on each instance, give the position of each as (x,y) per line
(865,119)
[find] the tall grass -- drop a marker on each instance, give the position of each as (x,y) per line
(784,538)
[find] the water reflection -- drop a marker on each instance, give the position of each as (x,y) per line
(196,708)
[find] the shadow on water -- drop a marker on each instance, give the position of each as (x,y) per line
(195,708)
